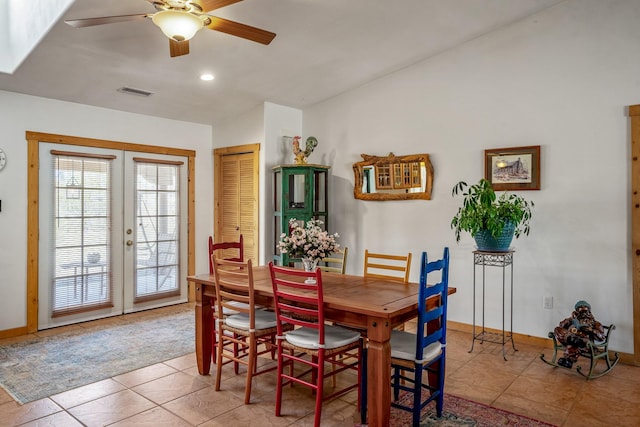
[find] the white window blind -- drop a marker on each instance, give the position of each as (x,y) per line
(81,277)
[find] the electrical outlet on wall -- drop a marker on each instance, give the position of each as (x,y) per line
(547,302)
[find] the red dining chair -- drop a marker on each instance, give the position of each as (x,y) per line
(247,327)
(231,251)
(299,301)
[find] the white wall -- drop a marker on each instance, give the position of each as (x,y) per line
(20,113)
(266,125)
(560,79)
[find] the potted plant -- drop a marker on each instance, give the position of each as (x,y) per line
(492,221)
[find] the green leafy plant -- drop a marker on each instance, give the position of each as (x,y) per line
(482,210)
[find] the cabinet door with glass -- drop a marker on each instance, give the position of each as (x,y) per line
(300,192)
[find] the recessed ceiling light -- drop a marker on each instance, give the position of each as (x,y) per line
(206,77)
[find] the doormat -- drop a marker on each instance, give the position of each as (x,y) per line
(458,411)
(44,366)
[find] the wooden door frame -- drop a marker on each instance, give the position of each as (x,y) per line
(218,153)
(33,157)
(634,114)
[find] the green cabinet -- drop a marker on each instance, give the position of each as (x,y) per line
(300,192)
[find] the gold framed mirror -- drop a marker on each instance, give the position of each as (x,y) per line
(393,177)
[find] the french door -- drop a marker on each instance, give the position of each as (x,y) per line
(113,233)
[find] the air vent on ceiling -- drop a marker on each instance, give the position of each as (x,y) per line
(133,91)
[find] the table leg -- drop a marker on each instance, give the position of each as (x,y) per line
(204,316)
(379,372)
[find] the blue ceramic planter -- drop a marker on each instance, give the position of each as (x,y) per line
(486,242)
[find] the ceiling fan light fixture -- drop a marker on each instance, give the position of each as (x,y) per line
(176,25)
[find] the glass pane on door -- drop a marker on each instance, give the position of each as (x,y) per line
(157,228)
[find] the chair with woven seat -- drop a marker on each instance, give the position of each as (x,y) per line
(247,327)
(335,263)
(231,251)
(313,343)
(385,266)
(414,353)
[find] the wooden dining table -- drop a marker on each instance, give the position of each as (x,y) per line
(374,304)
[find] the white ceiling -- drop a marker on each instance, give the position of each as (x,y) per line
(322,48)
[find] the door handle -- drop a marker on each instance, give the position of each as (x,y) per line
(237,227)
(129,242)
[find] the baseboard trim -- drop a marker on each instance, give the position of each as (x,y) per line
(12,333)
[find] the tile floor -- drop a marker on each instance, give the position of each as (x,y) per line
(174,394)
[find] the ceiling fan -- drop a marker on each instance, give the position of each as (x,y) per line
(180,20)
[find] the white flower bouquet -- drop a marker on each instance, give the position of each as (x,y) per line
(308,242)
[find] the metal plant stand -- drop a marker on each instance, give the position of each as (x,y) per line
(494,259)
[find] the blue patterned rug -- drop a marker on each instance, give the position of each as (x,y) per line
(41,367)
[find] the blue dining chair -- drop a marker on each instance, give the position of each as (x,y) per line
(414,353)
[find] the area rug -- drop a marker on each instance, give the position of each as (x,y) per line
(42,367)
(463,412)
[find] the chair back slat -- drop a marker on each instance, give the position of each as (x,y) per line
(386,266)
(297,302)
(437,315)
(231,251)
(234,286)
(335,263)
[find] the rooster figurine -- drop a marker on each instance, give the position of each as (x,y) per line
(303,155)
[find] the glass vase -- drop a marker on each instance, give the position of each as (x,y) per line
(310,264)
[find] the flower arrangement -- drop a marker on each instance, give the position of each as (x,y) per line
(308,242)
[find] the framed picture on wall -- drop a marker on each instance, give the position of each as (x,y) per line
(516,168)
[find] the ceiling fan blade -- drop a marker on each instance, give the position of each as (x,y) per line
(241,30)
(209,5)
(178,48)
(88,22)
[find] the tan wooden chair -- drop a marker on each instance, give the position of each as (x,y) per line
(394,267)
(336,263)
(246,327)
(231,251)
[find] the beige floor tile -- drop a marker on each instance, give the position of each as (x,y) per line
(561,396)
(156,417)
(478,393)
(204,405)
(112,408)
(183,362)
(170,387)
(5,397)
(59,419)
(533,409)
(553,375)
(254,415)
(13,414)
(87,393)
(594,408)
(479,375)
(143,375)
(334,414)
